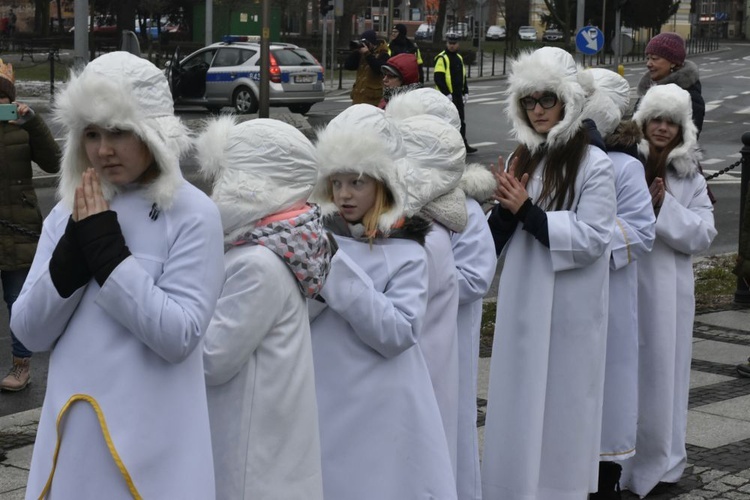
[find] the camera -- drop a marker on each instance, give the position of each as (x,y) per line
(357,44)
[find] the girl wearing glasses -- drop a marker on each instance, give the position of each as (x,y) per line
(554,224)
(666,304)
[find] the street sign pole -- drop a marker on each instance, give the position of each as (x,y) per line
(265,63)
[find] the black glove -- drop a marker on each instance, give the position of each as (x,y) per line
(102,244)
(67,267)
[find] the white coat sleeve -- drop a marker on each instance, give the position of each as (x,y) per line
(40,315)
(635,224)
(687,229)
(250,305)
(579,236)
(474,253)
(171,314)
(388,321)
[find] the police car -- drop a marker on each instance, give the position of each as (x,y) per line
(228,74)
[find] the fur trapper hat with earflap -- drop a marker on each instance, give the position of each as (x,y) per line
(121,91)
(437,158)
(361,140)
(607,101)
(258,167)
(549,69)
(673,103)
(426,101)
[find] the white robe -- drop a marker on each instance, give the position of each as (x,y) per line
(261,383)
(439,337)
(380,427)
(666,309)
(474,254)
(133,345)
(546,377)
(632,238)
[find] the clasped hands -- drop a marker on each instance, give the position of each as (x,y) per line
(510,192)
(89,199)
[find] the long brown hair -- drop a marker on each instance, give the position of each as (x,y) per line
(657,162)
(562,165)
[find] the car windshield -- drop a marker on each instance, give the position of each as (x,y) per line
(294,57)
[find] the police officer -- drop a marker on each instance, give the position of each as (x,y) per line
(450,79)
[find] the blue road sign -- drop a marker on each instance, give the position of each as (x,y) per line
(721,16)
(589,40)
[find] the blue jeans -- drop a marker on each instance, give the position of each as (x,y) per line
(12,285)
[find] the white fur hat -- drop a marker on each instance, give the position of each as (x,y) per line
(673,103)
(425,101)
(258,167)
(607,101)
(121,91)
(546,69)
(361,140)
(437,158)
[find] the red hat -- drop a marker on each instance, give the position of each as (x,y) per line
(670,46)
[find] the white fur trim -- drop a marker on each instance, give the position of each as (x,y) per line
(673,103)
(360,140)
(478,182)
(121,91)
(259,168)
(546,69)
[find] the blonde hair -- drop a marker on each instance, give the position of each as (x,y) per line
(383,202)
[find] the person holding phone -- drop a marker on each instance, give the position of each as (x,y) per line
(24,137)
(121,291)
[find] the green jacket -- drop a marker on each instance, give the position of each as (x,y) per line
(19,146)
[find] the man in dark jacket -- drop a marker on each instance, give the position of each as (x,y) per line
(400,44)
(450,79)
(22,141)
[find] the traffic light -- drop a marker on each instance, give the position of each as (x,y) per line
(325,6)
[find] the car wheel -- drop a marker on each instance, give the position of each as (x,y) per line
(244,101)
(300,108)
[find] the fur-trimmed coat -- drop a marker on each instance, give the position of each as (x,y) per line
(686,77)
(380,427)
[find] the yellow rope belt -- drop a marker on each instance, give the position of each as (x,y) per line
(105,432)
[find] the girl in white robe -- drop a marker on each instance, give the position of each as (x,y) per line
(381,431)
(666,301)
(257,352)
(122,288)
(554,224)
(633,237)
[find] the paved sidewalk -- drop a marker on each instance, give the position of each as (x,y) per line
(718,419)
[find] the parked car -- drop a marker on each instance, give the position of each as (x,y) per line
(527,33)
(495,33)
(459,29)
(228,74)
(424,32)
(552,35)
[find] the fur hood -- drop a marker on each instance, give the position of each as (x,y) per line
(547,69)
(121,91)
(478,182)
(672,102)
(607,99)
(449,210)
(436,159)
(360,140)
(625,138)
(258,167)
(424,101)
(684,77)
(414,228)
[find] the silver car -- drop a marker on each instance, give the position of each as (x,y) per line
(527,33)
(228,74)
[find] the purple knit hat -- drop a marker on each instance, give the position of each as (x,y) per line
(670,46)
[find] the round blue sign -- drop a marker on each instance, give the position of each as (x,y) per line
(589,40)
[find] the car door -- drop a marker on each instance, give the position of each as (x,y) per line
(190,77)
(226,68)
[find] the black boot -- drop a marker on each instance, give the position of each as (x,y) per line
(609,482)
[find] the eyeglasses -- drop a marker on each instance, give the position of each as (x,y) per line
(389,75)
(546,102)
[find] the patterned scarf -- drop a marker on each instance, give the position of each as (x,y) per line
(301,243)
